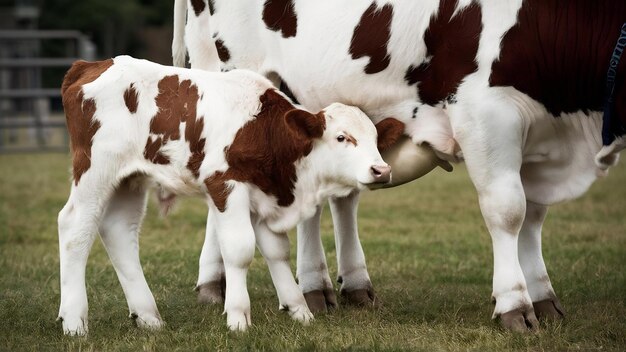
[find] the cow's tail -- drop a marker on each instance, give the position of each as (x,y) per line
(179,50)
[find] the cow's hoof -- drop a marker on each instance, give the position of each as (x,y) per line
(549,309)
(212,292)
(148,321)
(76,326)
(320,301)
(362,297)
(519,320)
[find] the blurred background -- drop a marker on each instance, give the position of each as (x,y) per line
(39,40)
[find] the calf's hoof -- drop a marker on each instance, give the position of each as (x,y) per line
(320,301)
(300,313)
(212,292)
(74,326)
(148,321)
(362,297)
(520,320)
(549,309)
(238,320)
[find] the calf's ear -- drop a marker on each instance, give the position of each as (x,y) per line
(389,131)
(304,124)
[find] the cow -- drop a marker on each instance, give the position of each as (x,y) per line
(261,163)
(518,89)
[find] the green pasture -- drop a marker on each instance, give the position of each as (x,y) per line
(428,252)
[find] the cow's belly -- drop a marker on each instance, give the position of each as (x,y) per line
(559,156)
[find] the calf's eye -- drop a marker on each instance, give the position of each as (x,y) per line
(341,138)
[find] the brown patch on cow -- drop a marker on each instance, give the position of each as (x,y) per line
(265,150)
(177,103)
(451,45)
(211,7)
(389,131)
(371,36)
(280,15)
(131,98)
(222,50)
(198,6)
(79,112)
(559,54)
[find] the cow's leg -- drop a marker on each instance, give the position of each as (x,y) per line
(491,140)
(78,227)
(544,299)
(211,285)
(275,249)
(356,286)
(312,270)
(236,240)
(119,231)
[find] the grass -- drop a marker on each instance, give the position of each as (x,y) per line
(429,258)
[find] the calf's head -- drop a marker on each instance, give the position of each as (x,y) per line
(345,148)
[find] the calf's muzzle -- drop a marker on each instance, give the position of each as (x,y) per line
(381,173)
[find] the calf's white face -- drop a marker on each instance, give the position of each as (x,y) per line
(349,148)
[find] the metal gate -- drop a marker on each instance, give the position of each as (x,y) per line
(27,121)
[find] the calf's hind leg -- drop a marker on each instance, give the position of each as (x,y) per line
(119,231)
(78,226)
(545,302)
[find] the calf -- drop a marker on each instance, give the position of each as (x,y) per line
(524,88)
(261,163)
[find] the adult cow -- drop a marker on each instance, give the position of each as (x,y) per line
(524,84)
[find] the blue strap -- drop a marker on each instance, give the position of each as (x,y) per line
(608,136)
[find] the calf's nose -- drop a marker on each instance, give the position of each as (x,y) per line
(381,173)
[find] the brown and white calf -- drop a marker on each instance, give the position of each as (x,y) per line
(523,81)
(262,164)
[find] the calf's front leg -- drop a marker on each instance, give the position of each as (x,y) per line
(275,249)
(211,284)
(312,270)
(236,242)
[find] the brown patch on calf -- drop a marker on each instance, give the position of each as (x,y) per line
(211,7)
(389,131)
(177,103)
(222,50)
(350,139)
(198,6)
(218,189)
(371,36)
(79,112)
(130,98)
(265,150)
(451,44)
(558,53)
(280,15)
(193,133)
(152,151)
